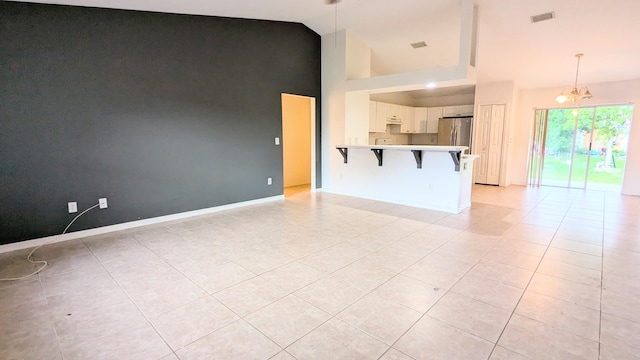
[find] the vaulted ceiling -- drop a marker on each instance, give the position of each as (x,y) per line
(510,47)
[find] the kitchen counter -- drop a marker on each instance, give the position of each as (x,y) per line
(408,147)
(430,176)
(456,152)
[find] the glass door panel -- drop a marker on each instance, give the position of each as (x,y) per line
(609,148)
(536,153)
(558,152)
(581,147)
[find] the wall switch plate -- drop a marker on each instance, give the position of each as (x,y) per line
(277,141)
(269,181)
(103,203)
(73,207)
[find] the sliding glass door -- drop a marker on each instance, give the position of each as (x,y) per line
(580,147)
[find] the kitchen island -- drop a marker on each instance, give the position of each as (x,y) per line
(425,176)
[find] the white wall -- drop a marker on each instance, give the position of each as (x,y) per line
(609,93)
(333,104)
(358,66)
(358,58)
(462,99)
(399,98)
(356,118)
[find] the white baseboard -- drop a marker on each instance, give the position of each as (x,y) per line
(129,225)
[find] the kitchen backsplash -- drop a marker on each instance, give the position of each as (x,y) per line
(404,139)
(424,139)
(397,139)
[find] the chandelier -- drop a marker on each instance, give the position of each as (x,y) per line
(575,94)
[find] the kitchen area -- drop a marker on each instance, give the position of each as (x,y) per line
(418,151)
(422,117)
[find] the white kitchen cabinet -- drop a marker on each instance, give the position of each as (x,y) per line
(407,115)
(466,110)
(393,113)
(457,110)
(420,120)
(377,123)
(381,116)
(434,114)
(488,131)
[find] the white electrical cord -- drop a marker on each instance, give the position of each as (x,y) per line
(44,263)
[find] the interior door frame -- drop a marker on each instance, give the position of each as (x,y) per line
(538,143)
(476,143)
(312,142)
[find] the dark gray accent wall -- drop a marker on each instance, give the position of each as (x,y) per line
(159,113)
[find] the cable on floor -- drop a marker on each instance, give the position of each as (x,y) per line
(44,263)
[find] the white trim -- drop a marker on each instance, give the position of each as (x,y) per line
(129,225)
(312,109)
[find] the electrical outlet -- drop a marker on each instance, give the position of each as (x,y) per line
(73,207)
(103,203)
(269,181)
(277,141)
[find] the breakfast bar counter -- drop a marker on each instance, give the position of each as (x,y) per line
(425,176)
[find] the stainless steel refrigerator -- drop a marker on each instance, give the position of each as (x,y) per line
(455,131)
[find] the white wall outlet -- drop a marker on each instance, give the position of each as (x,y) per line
(73,207)
(277,141)
(103,203)
(269,181)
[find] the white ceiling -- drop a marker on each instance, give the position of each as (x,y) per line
(510,47)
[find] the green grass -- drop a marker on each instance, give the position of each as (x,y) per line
(557,170)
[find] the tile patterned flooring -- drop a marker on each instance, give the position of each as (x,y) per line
(525,273)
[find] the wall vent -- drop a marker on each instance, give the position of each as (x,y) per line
(419,44)
(543,17)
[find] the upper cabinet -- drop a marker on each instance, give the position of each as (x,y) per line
(420,121)
(411,120)
(393,112)
(433,118)
(458,110)
(407,125)
(377,117)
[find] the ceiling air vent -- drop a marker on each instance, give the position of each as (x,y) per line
(419,44)
(543,17)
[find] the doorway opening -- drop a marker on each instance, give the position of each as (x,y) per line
(298,144)
(580,147)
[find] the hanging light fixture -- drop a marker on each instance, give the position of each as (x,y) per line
(575,94)
(334,2)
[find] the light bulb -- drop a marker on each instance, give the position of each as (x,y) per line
(561,98)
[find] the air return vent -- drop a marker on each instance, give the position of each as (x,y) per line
(543,17)
(419,44)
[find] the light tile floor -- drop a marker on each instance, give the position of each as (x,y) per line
(525,273)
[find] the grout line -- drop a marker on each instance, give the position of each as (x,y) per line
(131,300)
(368,252)
(604,207)
(530,279)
